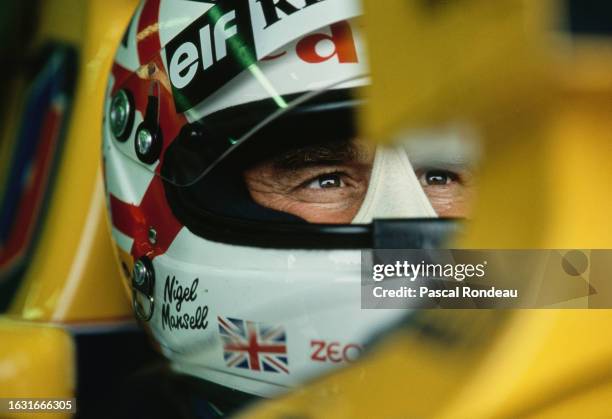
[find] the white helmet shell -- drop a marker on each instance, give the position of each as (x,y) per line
(259,319)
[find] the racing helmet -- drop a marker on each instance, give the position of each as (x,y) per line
(243,270)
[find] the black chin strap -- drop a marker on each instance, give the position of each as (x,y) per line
(420,233)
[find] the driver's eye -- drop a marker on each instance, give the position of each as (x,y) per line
(436,177)
(332,180)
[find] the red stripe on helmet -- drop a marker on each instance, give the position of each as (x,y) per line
(152,213)
(147,37)
(120,75)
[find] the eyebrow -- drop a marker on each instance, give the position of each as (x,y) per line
(334,152)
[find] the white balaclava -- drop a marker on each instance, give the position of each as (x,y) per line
(394,190)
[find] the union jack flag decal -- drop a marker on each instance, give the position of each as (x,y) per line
(253,346)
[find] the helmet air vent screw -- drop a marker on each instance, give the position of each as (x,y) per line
(121,115)
(143,281)
(148,141)
(152,235)
(144,140)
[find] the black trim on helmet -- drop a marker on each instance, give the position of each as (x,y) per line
(414,233)
(219,207)
(218,137)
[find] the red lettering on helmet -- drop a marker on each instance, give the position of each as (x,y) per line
(342,38)
(317,355)
(334,351)
(273,56)
(349,349)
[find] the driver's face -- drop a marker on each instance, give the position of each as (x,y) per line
(328,183)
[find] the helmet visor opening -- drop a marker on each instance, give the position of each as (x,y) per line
(297,155)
